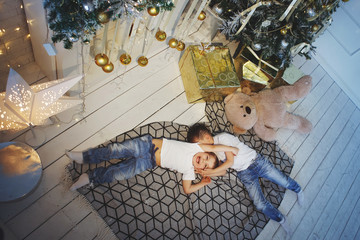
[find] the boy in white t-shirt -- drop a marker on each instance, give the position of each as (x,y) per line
(249,165)
(145,153)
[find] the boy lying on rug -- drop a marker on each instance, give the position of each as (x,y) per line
(249,165)
(145,153)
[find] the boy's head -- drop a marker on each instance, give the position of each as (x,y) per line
(205,160)
(199,133)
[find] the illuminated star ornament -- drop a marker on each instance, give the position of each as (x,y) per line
(23,105)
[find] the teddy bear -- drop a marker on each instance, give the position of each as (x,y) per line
(266,111)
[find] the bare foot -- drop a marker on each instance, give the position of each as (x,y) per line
(75,156)
(82,181)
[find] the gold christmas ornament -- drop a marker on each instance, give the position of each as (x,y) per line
(143,61)
(160,35)
(173,43)
(103,17)
(315,28)
(283,31)
(153,11)
(108,68)
(202,16)
(101,59)
(180,46)
(125,58)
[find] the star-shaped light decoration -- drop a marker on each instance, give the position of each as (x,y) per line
(23,105)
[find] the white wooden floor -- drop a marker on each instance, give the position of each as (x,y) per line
(326,160)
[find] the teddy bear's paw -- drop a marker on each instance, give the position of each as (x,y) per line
(305,127)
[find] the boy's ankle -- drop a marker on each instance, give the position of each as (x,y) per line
(82,181)
(284,224)
(75,156)
(300,198)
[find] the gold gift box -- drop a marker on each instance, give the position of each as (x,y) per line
(208,74)
(251,76)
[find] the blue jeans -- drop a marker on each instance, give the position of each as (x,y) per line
(262,167)
(138,154)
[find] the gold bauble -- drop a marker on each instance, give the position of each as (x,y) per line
(180,46)
(202,16)
(142,61)
(283,31)
(160,35)
(125,58)
(173,43)
(315,28)
(101,59)
(153,11)
(103,17)
(108,68)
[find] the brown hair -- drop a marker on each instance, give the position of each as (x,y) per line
(196,132)
(217,162)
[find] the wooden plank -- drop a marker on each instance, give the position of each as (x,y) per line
(310,169)
(192,115)
(318,116)
(353,224)
(316,192)
(357,235)
(309,66)
(307,147)
(91,227)
(40,211)
(170,111)
(133,117)
(338,189)
(307,170)
(272,228)
(63,221)
(345,200)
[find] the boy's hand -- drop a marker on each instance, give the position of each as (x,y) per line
(206,180)
(204,172)
(234,150)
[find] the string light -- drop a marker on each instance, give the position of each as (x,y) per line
(17,29)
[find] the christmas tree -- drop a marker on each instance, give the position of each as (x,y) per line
(275,30)
(74,20)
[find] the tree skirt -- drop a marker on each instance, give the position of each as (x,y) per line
(152,205)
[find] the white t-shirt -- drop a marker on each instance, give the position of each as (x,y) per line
(245,156)
(177,155)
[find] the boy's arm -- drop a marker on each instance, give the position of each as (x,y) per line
(221,170)
(218,148)
(189,187)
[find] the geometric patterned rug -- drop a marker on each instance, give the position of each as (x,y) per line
(152,205)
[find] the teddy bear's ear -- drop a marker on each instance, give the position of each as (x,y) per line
(239,130)
(246,90)
(228,98)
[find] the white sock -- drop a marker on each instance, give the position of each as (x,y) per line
(286,227)
(75,156)
(82,181)
(301,198)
